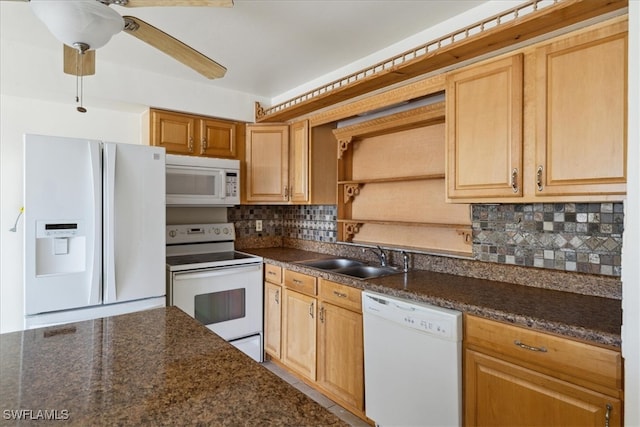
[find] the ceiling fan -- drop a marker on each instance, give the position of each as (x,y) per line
(86,25)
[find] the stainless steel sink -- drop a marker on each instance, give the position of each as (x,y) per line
(350,267)
(331,263)
(367,271)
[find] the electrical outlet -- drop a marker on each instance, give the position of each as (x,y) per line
(258,225)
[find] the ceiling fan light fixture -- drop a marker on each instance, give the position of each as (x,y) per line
(81,21)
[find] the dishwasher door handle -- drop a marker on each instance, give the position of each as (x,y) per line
(404,308)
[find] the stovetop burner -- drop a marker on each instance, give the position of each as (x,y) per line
(205,258)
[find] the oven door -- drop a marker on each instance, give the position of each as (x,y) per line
(227,300)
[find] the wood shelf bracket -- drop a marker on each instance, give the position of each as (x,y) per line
(351,229)
(351,191)
(343,145)
(259,111)
(467,235)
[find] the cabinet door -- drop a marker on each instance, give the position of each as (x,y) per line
(173,131)
(217,138)
(272,319)
(341,354)
(581,113)
(299,333)
(499,393)
(299,162)
(267,156)
(484,130)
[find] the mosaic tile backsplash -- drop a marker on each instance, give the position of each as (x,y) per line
(316,222)
(572,237)
(577,237)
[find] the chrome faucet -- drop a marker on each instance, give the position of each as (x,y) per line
(381,256)
(405,261)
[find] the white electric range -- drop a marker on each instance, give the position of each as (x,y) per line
(215,284)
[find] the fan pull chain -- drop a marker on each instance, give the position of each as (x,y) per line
(81,48)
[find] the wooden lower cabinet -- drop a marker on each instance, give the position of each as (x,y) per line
(272,319)
(515,377)
(313,327)
(500,393)
(299,333)
(341,355)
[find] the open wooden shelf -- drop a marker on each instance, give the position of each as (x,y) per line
(409,223)
(394,179)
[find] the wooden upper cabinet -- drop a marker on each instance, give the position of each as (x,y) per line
(217,138)
(299,162)
(267,158)
(181,133)
(290,164)
(546,124)
(581,113)
(176,132)
(484,130)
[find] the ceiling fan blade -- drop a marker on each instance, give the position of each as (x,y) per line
(71,66)
(174,48)
(149,3)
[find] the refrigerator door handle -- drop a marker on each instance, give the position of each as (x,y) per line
(95,294)
(109,179)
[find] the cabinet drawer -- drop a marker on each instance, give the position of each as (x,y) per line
(563,356)
(341,295)
(273,273)
(300,282)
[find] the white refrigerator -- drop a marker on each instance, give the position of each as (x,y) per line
(94,229)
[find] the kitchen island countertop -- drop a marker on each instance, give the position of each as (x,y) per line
(156,367)
(589,318)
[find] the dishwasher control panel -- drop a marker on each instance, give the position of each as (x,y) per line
(437,321)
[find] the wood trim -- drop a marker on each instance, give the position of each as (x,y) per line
(417,117)
(394,179)
(508,28)
(390,96)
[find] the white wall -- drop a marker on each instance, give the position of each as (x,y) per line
(631,243)
(36,97)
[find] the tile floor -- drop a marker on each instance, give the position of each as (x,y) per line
(338,410)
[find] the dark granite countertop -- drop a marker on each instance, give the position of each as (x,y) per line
(157,367)
(594,319)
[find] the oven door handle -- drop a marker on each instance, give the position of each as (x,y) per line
(214,272)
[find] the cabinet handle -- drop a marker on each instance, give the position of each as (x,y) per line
(607,415)
(514,180)
(339,294)
(278,296)
(190,146)
(539,178)
(311,310)
(271,273)
(203,146)
(528,347)
(298,282)
(286,192)
(321,315)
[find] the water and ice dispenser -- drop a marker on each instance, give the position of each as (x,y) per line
(60,247)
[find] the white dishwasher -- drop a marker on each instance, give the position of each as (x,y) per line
(412,362)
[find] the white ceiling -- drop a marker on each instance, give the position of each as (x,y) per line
(268,46)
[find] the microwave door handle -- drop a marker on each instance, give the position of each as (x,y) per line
(223,184)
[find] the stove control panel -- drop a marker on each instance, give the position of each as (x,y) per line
(197,233)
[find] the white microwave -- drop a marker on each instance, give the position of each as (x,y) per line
(202,181)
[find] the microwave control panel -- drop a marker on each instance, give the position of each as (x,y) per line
(231,184)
